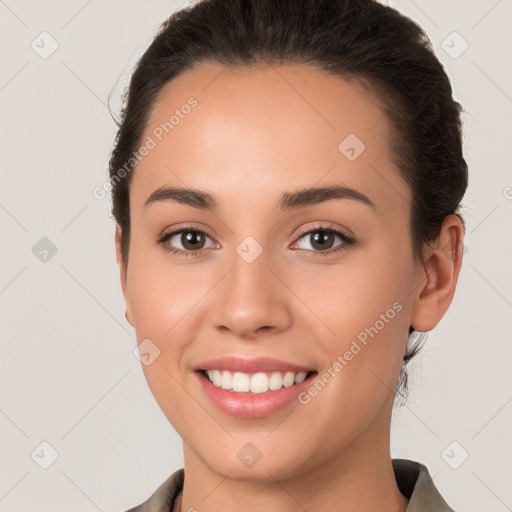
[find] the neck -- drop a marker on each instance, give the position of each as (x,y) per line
(360,477)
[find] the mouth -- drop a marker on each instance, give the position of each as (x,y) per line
(257,395)
(255,383)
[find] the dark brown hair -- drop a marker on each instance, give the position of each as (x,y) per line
(360,40)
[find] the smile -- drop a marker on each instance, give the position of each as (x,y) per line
(254,383)
(249,404)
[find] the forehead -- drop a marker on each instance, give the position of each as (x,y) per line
(266,128)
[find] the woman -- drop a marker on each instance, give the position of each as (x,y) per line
(287,179)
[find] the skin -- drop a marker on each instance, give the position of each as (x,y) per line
(254,135)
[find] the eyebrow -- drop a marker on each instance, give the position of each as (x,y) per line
(288,201)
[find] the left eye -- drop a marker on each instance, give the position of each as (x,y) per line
(321,240)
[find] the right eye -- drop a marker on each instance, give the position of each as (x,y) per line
(185,241)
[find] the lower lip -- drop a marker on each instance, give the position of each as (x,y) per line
(258,405)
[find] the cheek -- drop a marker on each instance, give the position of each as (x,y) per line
(347,298)
(362,350)
(161,294)
(362,318)
(163,301)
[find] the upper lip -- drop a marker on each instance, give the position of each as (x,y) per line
(258,364)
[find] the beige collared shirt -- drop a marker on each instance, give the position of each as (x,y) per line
(413,480)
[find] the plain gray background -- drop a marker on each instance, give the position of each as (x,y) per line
(68,375)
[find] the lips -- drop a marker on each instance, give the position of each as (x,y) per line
(252,406)
(259,364)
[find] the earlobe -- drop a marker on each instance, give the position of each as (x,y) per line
(123,275)
(438,276)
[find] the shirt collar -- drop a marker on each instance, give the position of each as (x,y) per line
(416,484)
(413,480)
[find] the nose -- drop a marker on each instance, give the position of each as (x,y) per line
(252,301)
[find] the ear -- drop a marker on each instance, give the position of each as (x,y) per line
(438,275)
(123,275)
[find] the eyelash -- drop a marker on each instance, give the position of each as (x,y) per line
(346,239)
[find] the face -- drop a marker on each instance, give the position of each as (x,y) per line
(323,281)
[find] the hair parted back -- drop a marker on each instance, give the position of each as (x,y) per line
(359,40)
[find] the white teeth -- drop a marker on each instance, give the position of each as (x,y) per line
(241,382)
(300,377)
(226,380)
(275,381)
(215,377)
(260,382)
(289,379)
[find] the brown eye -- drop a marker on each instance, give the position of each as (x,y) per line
(322,240)
(186,241)
(319,240)
(192,240)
